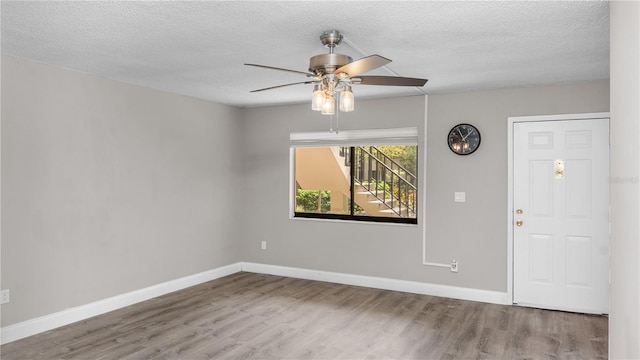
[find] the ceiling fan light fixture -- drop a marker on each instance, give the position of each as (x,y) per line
(329,105)
(346,99)
(317,101)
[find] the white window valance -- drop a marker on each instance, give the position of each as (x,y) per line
(394,136)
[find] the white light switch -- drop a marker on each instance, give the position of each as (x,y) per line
(459,196)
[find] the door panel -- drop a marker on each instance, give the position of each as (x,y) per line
(561,184)
(578,189)
(578,260)
(540,258)
(542,186)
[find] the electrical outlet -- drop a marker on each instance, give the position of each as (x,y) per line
(454,265)
(263,245)
(4,296)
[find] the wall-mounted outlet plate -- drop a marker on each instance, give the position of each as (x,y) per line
(263,245)
(4,296)
(454,265)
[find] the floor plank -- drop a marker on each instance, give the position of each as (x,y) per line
(256,316)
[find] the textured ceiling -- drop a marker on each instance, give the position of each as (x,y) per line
(199,48)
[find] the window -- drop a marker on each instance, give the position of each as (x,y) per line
(367,175)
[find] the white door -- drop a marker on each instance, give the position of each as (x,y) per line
(561,214)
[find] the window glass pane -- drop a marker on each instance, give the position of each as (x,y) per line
(382,181)
(322,180)
(385,181)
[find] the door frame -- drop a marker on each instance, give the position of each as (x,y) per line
(510,208)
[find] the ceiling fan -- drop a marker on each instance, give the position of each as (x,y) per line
(335,73)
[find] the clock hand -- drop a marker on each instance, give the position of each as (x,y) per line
(458,129)
(466,136)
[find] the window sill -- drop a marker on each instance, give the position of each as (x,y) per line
(351,220)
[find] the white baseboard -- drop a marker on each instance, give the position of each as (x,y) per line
(44,323)
(493,297)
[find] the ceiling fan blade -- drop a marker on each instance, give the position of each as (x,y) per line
(389,80)
(363,65)
(279,86)
(281,69)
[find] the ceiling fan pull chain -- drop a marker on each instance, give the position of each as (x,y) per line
(337,115)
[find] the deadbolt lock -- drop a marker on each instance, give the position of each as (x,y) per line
(519,211)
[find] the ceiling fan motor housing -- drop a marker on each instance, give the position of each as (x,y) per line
(327,63)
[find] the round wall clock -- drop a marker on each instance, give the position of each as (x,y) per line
(464,139)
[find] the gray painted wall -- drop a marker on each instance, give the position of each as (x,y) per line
(474,232)
(312,244)
(109,188)
(624,301)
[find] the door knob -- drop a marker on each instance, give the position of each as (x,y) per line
(519,222)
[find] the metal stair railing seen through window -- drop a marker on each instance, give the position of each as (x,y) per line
(384,178)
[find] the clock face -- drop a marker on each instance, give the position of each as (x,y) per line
(464,139)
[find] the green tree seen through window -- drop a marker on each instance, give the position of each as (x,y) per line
(313,200)
(404,155)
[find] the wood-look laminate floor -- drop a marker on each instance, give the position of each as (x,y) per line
(254,316)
